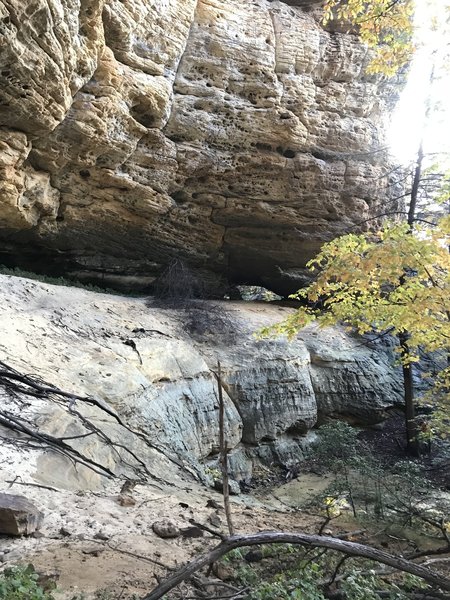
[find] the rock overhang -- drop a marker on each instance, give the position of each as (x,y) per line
(239,143)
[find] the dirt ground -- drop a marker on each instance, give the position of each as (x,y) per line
(95,547)
(90,543)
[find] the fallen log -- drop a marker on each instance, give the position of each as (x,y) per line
(302,539)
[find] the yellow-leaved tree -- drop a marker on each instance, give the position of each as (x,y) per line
(396,281)
(385,25)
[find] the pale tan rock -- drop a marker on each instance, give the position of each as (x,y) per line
(18,516)
(236,135)
(126,500)
(166,529)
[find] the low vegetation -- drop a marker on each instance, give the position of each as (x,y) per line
(21,583)
(287,572)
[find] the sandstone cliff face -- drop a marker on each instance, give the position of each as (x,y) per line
(237,135)
(141,362)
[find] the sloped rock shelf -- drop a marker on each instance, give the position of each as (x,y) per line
(162,386)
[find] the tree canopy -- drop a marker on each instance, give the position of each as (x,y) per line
(385,25)
(360,280)
(394,281)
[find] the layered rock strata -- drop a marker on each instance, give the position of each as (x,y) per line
(141,363)
(235,135)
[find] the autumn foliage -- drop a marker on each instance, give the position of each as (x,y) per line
(385,25)
(394,281)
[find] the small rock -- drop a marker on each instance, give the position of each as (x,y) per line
(223,571)
(101,536)
(166,529)
(18,516)
(64,532)
(215,520)
(125,500)
(38,534)
(234,487)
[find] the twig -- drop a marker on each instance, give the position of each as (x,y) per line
(45,390)
(336,570)
(324,524)
(201,581)
(208,529)
(28,385)
(16,424)
(135,555)
(349,534)
(37,485)
(229,597)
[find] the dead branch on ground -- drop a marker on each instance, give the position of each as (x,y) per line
(314,541)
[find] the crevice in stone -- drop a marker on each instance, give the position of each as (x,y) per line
(276,45)
(180,61)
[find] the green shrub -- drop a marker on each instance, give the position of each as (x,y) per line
(21,583)
(393,494)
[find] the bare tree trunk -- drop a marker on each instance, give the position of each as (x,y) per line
(414,196)
(312,541)
(412,433)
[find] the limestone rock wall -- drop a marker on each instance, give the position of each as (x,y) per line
(235,134)
(141,362)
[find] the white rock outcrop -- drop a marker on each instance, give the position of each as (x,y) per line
(141,363)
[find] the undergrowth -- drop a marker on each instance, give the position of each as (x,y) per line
(377,497)
(21,583)
(288,572)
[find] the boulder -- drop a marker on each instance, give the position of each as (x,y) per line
(164,389)
(18,516)
(166,529)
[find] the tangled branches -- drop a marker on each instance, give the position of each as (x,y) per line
(19,388)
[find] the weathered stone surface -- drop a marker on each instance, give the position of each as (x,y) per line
(18,516)
(274,394)
(340,363)
(236,135)
(163,387)
(233,486)
(166,529)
